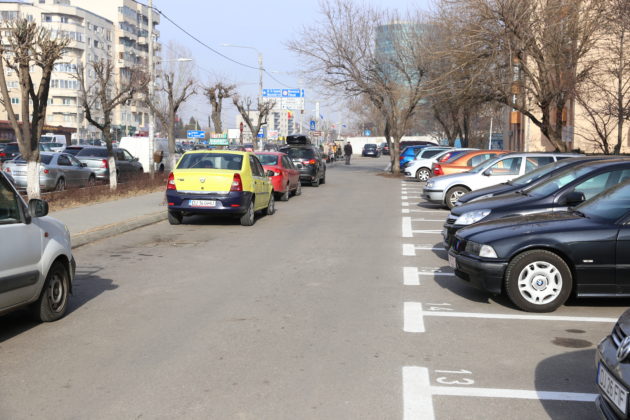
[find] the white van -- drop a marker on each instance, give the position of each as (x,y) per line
(139,147)
(56,142)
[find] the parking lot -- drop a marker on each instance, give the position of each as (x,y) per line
(482,358)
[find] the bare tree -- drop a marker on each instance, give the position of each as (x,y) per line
(605,94)
(356,50)
(216,92)
(174,86)
(103,95)
(23,45)
(254,119)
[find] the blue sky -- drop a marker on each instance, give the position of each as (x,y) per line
(265,25)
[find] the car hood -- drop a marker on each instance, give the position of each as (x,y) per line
(511,200)
(493,189)
(540,223)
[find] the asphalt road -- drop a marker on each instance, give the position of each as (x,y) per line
(325,310)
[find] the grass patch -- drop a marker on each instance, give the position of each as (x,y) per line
(78,197)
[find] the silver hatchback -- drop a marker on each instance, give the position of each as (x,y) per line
(58,171)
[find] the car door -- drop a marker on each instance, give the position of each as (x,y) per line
(65,167)
(294,175)
(122,165)
(257,176)
(20,249)
(135,167)
(82,173)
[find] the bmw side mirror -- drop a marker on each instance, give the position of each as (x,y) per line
(269,173)
(573,198)
(38,208)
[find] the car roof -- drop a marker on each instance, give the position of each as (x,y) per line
(216,151)
(271,153)
(604,163)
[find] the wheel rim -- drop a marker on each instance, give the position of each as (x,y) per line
(61,184)
(271,205)
(299,188)
(423,174)
(540,282)
(57,293)
(91,182)
(456,196)
(250,212)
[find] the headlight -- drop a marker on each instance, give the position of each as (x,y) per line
(483,197)
(484,251)
(471,217)
(429,184)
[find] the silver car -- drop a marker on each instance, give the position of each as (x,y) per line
(447,189)
(58,171)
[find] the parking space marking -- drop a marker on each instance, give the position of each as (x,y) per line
(409,250)
(406,211)
(413,322)
(420,219)
(429,211)
(458,391)
(427,231)
(555,318)
(411,276)
(405,203)
(417,399)
(407,230)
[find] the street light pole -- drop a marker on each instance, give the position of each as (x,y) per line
(151,90)
(261,68)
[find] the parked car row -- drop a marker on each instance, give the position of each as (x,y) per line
(241,183)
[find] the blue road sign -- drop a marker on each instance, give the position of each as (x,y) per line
(272,93)
(367,133)
(195,134)
(283,93)
(312,125)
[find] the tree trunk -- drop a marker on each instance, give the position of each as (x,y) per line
(32,179)
(395,152)
(171,143)
(111,160)
(216,119)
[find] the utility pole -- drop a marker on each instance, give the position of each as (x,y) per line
(261,69)
(490,135)
(151,90)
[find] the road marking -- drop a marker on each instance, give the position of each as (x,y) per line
(521,317)
(420,219)
(417,399)
(456,391)
(428,211)
(409,250)
(410,276)
(424,231)
(406,211)
(405,203)
(413,321)
(407,230)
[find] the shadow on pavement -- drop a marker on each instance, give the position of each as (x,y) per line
(86,286)
(571,371)
(217,220)
(460,288)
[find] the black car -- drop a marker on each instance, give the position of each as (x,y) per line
(567,188)
(535,177)
(370,150)
(539,260)
(385,149)
(613,371)
(9,151)
(306,158)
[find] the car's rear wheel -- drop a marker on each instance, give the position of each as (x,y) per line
(175,217)
(454,194)
(323,180)
(53,300)
(298,189)
(538,281)
(286,194)
(423,174)
(271,206)
(315,183)
(61,184)
(249,217)
(91,181)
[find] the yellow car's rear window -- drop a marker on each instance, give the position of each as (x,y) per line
(227,161)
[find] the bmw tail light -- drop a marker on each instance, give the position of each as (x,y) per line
(237,183)
(170,185)
(312,161)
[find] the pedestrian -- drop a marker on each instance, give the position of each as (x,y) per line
(347,150)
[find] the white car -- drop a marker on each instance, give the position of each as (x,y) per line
(36,262)
(447,189)
(420,168)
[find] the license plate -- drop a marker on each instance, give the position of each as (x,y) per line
(452,262)
(202,203)
(616,392)
(19,173)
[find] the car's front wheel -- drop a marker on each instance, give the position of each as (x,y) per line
(61,184)
(454,194)
(423,174)
(53,300)
(538,281)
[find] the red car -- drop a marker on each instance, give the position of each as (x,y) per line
(286,179)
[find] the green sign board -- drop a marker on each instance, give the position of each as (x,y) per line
(218,142)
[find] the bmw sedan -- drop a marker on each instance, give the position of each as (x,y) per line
(540,260)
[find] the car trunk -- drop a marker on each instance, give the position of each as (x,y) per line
(218,180)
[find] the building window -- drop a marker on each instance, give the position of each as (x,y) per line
(15,100)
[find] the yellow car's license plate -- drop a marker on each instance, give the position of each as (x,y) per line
(202,203)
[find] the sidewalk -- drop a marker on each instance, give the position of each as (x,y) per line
(98,221)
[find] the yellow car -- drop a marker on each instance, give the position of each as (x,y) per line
(219,182)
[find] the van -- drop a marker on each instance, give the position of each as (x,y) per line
(139,147)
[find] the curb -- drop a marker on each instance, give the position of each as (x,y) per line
(103,232)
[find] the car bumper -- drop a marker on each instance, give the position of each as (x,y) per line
(372,154)
(448,233)
(308,174)
(44,183)
(483,275)
(606,355)
(434,196)
(231,203)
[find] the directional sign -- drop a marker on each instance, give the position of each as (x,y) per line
(195,134)
(312,125)
(316,133)
(218,142)
(272,93)
(283,93)
(367,133)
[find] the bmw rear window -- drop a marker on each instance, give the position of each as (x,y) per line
(211,161)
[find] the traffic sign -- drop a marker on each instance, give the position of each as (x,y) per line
(218,142)
(283,93)
(367,133)
(312,125)
(218,136)
(195,134)
(316,133)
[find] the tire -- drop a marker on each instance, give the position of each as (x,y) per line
(61,185)
(249,218)
(286,194)
(298,189)
(91,181)
(315,183)
(423,174)
(175,217)
(271,206)
(538,281)
(323,180)
(53,300)
(453,195)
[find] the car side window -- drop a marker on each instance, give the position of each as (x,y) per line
(74,161)
(593,186)
(476,160)
(127,155)
(9,204)
(252,163)
(535,161)
(509,166)
(261,170)
(63,160)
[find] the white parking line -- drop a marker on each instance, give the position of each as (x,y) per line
(407,230)
(555,318)
(406,211)
(410,276)
(429,211)
(425,231)
(405,204)
(456,391)
(420,219)
(417,400)
(409,250)
(413,321)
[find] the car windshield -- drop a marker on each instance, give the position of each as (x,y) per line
(370,146)
(11,148)
(537,173)
(72,150)
(268,159)
(299,153)
(609,205)
(227,161)
(93,151)
(559,181)
(44,159)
